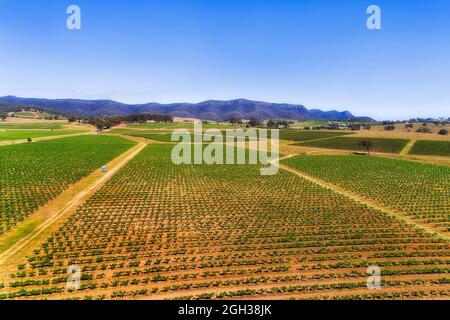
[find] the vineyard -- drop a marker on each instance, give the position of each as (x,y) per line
(291,135)
(172,126)
(32,174)
(167,136)
(420,190)
(25,134)
(161,231)
(352,143)
(304,135)
(434,148)
(37,126)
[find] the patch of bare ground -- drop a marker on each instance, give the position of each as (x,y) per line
(404,134)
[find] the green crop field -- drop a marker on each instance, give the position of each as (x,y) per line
(434,148)
(180,126)
(422,191)
(32,174)
(166,136)
(151,232)
(133,131)
(153,136)
(25,134)
(306,135)
(6,125)
(352,143)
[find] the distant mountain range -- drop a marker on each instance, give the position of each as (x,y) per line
(207,110)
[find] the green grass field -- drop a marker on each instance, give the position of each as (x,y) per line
(6,125)
(306,135)
(32,174)
(433,148)
(25,134)
(420,190)
(351,143)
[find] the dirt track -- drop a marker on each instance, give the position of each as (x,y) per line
(19,242)
(397,214)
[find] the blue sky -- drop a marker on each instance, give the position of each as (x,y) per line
(313,52)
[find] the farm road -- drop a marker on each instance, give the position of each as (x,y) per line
(18,243)
(379,207)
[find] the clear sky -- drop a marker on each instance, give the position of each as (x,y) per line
(313,52)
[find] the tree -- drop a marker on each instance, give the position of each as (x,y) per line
(100,124)
(366,144)
(389,128)
(354,126)
(234,120)
(423,130)
(443,132)
(3,116)
(283,123)
(253,122)
(272,124)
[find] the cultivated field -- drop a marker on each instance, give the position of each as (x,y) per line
(155,230)
(152,136)
(166,136)
(433,148)
(170,126)
(301,135)
(418,190)
(161,231)
(33,173)
(25,134)
(352,143)
(30,125)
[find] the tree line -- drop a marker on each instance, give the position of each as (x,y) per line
(103,123)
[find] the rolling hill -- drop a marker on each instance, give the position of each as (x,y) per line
(208,110)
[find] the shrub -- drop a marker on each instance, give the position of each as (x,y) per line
(423,130)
